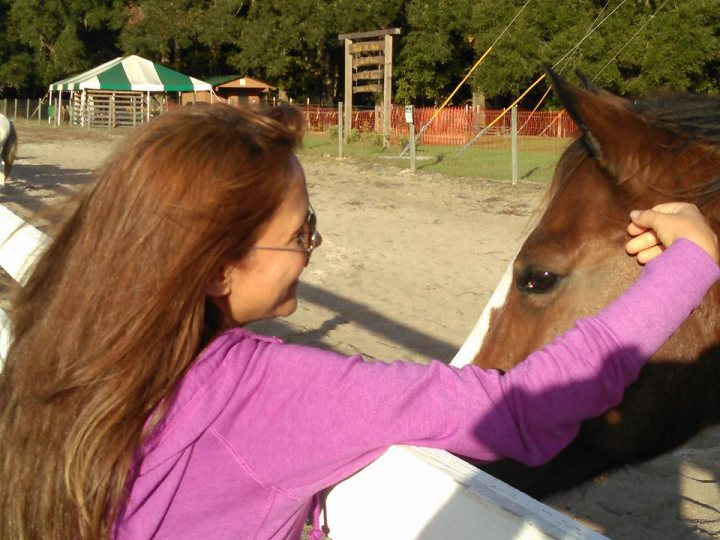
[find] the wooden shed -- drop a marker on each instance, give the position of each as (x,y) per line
(232,89)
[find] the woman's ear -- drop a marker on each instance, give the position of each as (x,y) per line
(218,285)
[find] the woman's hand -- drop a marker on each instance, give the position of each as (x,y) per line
(656,229)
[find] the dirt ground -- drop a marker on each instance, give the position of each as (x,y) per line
(406,265)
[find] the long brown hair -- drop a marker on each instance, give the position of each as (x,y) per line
(115,312)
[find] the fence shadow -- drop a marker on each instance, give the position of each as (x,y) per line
(347,311)
(33,190)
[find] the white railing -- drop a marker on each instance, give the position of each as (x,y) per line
(408,493)
(20,244)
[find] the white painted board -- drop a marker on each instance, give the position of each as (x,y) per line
(428,494)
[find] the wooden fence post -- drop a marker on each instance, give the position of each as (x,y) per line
(387,90)
(340,130)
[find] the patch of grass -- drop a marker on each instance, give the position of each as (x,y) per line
(490,158)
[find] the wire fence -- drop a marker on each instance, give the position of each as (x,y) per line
(26,109)
(465,141)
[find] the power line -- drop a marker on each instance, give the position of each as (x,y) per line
(588,34)
(629,40)
(491,124)
(573,49)
(560,70)
(485,54)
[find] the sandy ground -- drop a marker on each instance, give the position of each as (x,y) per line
(406,266)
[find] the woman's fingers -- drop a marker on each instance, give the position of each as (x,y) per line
(634,230)
(648,255)
(643,241)
(659,227)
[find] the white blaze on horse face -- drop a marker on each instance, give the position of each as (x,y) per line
(474,341)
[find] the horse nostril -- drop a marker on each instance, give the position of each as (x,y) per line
(537,281)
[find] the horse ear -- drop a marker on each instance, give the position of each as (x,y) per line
(587,83)
(639,149)
(601,92)
(599,115)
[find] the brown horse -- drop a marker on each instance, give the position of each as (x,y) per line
(630,155)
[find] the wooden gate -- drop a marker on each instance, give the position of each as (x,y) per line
(109,109)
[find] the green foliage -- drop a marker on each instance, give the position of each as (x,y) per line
(295,44)
(50,39)
(655,62)
(354,135)
(281,38)
(374,138)
(161,29)
(436,51)
(627,47)
(191,36)
(542,35)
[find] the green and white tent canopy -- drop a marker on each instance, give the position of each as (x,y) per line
(132,73)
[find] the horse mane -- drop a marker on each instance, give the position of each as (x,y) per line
(695,118)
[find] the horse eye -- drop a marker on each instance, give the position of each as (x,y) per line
(537,281)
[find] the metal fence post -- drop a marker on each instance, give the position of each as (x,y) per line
(412,147)
(410,119)
(514,138)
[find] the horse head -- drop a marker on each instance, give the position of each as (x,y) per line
(629,155)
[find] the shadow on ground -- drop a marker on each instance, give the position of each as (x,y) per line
(348,311)
(32,190)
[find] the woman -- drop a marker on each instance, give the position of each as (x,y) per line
(135,404)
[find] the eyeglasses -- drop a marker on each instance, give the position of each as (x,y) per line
(311,237)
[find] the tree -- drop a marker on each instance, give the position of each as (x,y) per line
(52,39)
(679,46)
(281,42)
(627,47)
(161,30)
(436,51)
(545,33)
(15,61)
(218,27)
(294,44)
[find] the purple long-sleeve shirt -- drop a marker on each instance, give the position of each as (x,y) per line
(258,426)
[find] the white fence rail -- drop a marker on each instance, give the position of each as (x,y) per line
(408,493)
